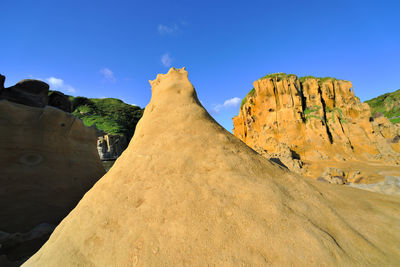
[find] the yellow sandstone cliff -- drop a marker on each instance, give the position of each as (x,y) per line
(309,124)
(188,193)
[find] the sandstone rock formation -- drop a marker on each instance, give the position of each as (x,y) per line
(187,192)
(59,100)
(110,147)
(48,160)
(28,92)
(34,93)
(319,120)
(15,248)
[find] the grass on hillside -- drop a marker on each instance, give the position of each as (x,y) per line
(249,94)
(280,75)
(110,115)
(388,104)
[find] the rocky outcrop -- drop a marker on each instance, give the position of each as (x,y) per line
(110,147)
(318,119)
(28,92)
(34,93)
(48,160)
(188,193)
(60,101)
(15,248)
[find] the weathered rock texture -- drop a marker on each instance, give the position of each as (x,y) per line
(316,120)
(48,160)
(34,93)
(59,100)
(187,192)
(110,147)
(28,92)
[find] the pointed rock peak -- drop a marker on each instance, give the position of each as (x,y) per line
(171,79)
(187,192)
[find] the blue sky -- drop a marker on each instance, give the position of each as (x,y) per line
(112,48)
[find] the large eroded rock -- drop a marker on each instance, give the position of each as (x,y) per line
(48,160)
(28,92)
(187,192)
(320,121)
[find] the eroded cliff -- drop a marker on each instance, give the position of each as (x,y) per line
(302,122)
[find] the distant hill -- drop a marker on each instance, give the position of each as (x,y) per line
(110,115)
(387,104)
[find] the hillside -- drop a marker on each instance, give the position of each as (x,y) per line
(110,115)
(387,104)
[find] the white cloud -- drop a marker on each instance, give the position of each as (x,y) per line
(233,102)
(165,30)
(108,74)
(166,60)
(59,84)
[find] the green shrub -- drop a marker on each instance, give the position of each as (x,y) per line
(110,115)
(249,94)
(280,75)
(388,104)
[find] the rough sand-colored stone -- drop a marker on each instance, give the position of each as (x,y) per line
(187,192)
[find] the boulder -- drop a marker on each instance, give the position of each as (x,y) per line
(18,247)
(60,101)
(28,92)
(48,161)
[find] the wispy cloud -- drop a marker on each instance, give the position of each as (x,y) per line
(165,30)
(108,74)
(233,102)
(166,60)
(59,84)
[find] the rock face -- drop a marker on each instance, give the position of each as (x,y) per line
(59,100)
(48,160)
(187,192)
(317,120)
(28,92)
(110,147)
(34,93)
(15,248)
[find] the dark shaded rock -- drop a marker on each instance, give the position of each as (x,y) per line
(378,115)
(396,139)
(60,101)
(110,147)
(15,248)
(2,80)
(27,92)
(279,162)
(48,161)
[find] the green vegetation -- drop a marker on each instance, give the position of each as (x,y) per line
(387,104)
(110,115)
(280,75)
(308,112)
(249,94)
(321,80)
